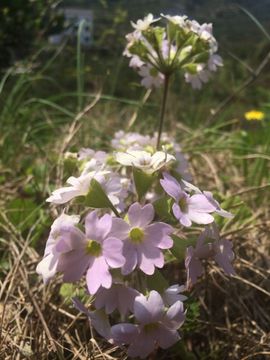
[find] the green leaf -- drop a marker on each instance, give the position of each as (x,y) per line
(180,245)
(157,282)
(67,290)
(142,181)
(163,209)
(97,198)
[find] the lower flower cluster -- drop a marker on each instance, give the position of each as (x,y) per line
(132,205)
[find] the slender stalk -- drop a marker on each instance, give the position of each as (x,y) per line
(163,108)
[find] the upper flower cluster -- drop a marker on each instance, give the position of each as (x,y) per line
(157,52)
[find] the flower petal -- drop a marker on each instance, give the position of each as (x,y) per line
(95,228)
(175,316)
(70,238)
(149,310)
(124,333)
(113,252)
(200,217)
(130,254)
(200,203)
(143,345)
(149,257)
(158,234)
(47,267)
(171,186)
(98,275)
(73,264)
(166,338)
(120,229)
(140,216)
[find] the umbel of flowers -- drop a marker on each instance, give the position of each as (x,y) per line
(183,45)
(128,209)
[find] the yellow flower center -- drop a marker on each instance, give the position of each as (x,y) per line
(150,327)
(183,204)
(93,248)
(136,235)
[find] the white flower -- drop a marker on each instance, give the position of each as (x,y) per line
(136,62)
(144,24)
(79,187)
(151,77)
(144,160)
(177,19)
(204,30)
(196,80)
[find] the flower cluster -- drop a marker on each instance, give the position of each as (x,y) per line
(131,204)
(156,52)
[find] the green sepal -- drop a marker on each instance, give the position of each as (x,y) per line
(138,48)
(154,36)
(172,30)
(191,68)
(182,37)
(97,198)
(202,57)
(157,282)
(163,208)
(180,246)
(142,181)
(184,55)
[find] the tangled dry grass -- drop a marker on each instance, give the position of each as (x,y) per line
(234,321)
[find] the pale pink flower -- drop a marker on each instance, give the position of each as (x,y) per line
(143,240)
(187,208)
(208,246)
(151,77)
(93,252)
(157,326)
(47,267)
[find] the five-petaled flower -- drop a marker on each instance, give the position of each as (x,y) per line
(157,326)
(208,246)
(187,208)
(143,240)
(93,252)
(144,160)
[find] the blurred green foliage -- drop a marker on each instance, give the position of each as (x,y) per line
(24,22)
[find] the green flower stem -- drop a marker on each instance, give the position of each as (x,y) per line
(163,108)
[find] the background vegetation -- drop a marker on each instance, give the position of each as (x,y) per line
(54,100)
